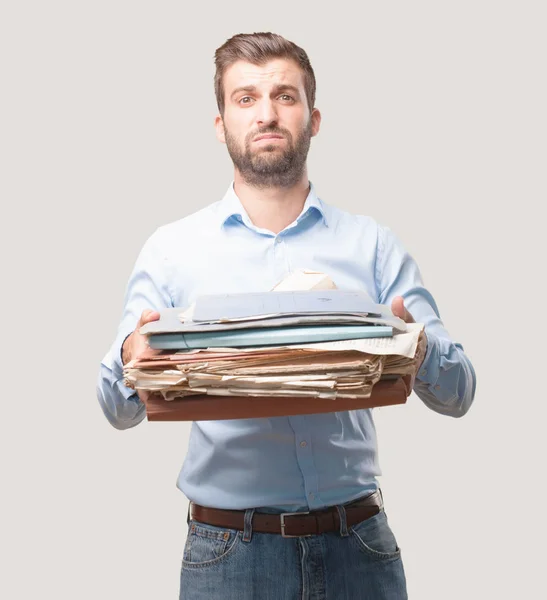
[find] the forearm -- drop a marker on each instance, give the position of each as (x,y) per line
(446,381)
(147,289)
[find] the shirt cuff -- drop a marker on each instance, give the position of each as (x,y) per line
(118,378)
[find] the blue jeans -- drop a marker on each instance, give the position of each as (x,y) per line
(359,562)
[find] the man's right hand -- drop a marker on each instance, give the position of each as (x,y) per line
(135,344)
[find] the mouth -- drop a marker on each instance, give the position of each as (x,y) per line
(268,136)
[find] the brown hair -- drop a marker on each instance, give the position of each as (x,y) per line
(258,48)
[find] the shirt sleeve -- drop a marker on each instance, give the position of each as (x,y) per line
(446,381)
(147,288)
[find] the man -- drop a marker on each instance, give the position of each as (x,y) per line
(242,475)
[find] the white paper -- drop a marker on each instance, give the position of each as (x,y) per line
(403,344)
(305,279)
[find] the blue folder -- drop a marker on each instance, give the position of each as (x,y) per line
(216,307)
(274,336)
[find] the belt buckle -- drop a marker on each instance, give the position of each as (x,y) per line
(283,515)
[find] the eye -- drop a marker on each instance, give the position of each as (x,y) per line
(245,100)
(286,98)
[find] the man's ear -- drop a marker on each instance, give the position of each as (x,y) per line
(315,121)
(219,127)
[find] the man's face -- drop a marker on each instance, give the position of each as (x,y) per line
(267,124)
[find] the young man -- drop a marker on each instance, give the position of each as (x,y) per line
(242,475)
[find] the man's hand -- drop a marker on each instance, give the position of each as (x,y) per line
(135,344)
(399,310)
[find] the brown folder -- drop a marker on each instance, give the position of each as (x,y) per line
(207,408)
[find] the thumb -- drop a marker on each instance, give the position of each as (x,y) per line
(399,310)
(148,315)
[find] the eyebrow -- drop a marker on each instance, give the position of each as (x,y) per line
(282,87)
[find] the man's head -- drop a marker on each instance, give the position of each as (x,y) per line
(265,86)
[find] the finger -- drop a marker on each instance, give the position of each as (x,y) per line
(398,307)
(399,310)
(153,315)
(148,315)
(144,395)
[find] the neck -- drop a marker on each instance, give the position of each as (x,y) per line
(272,208)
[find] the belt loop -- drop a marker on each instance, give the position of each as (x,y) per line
(248,524)
(343,522)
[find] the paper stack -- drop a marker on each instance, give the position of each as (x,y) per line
(323,344)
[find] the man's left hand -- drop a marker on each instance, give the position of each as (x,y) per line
(399,310)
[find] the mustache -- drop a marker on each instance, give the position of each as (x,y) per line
(269,130)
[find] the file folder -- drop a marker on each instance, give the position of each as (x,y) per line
(206,408)
(244,305)
(278,336)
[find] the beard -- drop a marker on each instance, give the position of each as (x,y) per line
(269,166)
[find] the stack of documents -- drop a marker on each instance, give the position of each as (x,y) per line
(321,343)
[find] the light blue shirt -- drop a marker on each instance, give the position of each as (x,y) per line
(299,462)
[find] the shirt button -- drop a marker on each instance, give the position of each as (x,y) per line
(278,240)
(311,495)
(303,444)
(437,387)
(423,372)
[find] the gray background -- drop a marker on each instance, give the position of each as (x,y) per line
(433,122)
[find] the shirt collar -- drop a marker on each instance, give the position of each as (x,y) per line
(230,206)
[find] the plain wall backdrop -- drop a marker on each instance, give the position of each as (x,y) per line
(434,123)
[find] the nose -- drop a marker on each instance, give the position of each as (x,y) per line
(266,115)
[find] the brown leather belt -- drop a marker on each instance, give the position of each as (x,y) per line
(291,524)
